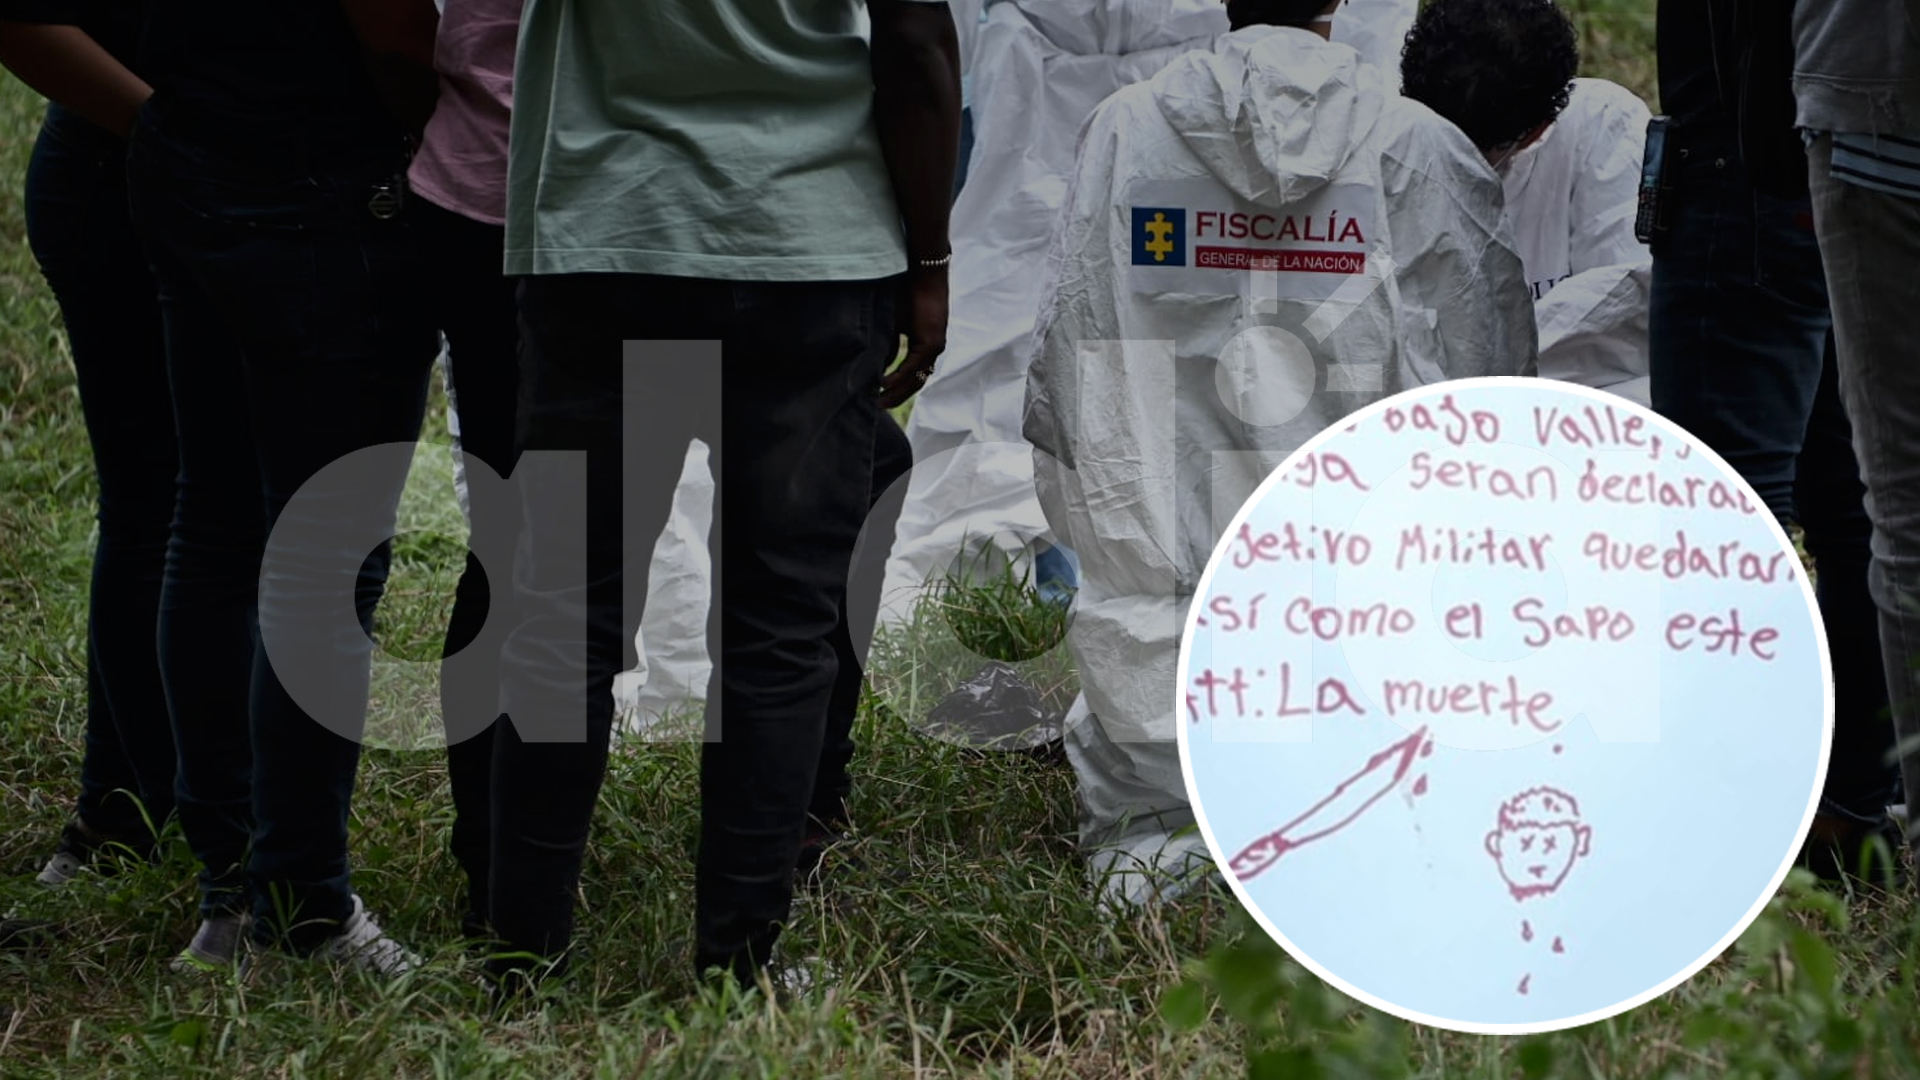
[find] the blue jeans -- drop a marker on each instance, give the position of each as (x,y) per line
(84,241)
(1742,357)
(298,334)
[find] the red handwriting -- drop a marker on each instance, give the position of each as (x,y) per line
(1650,489)
(1318,545)
(1382,772)
(1236,693)
(1524,980)
(1684,558)
(1211,682)
(1314,469)
(1720,634)
(1598,427)
(1448,420)
(1596,622)
(1329,696)
(1332,624)
(1539,483)
(1469,614)
(1301,616)
(1469,698)
(1420,546)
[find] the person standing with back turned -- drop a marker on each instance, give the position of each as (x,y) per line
(1856,82)
(702,190)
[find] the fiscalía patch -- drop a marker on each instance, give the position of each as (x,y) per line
(1197,237)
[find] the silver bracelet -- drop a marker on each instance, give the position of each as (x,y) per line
(933,264)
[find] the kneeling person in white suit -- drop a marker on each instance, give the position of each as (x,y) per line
(1568,151)
(1191,336)
(1038,69)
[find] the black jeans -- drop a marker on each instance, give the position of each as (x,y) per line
(833,782)
(298,336)
(1742,356)
(800,362)
(475,307)
(84,241)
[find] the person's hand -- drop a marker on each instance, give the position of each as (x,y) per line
(922,315)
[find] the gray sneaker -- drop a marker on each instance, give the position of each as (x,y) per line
(364,945)
(62,868)
(217,945)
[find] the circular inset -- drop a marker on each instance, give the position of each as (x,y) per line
(1486,690)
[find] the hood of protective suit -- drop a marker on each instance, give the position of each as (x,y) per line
(1274,114)
(1094,27)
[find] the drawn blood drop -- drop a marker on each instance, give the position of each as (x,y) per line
(1526,930)
(1420,786)
(1558,749)
(1524,980)
(1557,947)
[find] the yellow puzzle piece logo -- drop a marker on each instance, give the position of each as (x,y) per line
(1161,228)
(1159,236)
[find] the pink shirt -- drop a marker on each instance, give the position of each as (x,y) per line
(462,161)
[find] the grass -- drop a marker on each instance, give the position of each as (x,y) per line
(965,944)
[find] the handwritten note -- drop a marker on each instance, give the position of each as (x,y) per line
(1516,657)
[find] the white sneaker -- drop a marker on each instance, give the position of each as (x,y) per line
(363,944)
(800,978)
(217,945)
(62,868)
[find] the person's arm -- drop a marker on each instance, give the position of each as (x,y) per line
(397,38)
(916,103)
(65,65)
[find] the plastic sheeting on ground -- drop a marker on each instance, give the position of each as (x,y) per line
(1167,383)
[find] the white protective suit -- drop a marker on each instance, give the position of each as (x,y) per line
(1037,69)
(1163,391)
(1571,198)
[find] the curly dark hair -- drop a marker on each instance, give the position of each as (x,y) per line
(1273,12)
(1496,68)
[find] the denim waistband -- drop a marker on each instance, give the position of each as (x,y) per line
(75,134)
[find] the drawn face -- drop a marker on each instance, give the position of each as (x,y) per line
(1535,858)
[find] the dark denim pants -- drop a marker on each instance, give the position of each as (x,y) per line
(800,363)
(1742,356)
(298,334)
(1871,242)
(887,496)
(474,305)
(84,240)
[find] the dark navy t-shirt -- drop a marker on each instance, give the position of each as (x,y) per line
(248,71)
(238,72)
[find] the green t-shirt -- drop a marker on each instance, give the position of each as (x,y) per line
(728,139)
